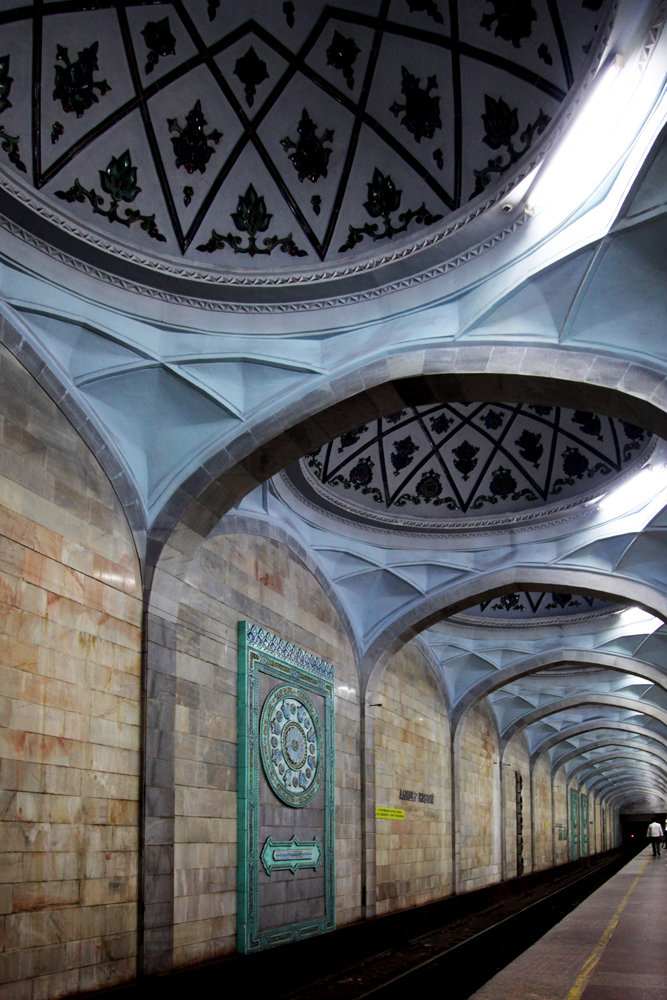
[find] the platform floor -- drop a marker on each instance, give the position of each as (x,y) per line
(612,947)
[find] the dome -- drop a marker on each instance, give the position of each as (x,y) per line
(216,151)
(461,464)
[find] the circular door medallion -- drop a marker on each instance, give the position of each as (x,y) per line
(290,737)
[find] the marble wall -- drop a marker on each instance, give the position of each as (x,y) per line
(561,818)
(414,855)
(545,833)
(477,773)
(70,656)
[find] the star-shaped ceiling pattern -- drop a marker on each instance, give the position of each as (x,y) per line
(466,459)
(271,135)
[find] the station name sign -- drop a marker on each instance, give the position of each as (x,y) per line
(426,797)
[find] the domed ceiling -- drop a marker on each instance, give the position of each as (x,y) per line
(212,141)
(465,463)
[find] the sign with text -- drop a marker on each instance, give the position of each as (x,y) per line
(407,796)
(382,813)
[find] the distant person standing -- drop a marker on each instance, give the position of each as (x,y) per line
(655,834)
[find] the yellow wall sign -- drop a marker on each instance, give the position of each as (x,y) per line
(382,813)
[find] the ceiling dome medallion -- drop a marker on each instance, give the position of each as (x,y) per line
(266,145)
(465,464)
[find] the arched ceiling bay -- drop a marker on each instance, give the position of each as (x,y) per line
(440,465)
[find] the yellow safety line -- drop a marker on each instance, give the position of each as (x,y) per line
(595,956)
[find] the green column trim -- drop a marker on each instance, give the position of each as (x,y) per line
(584,824)
(574,824)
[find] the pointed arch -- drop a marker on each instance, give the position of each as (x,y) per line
(549,660)
(600,744)
(591,726)
(579,701)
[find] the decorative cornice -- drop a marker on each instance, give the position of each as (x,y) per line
(273,645)
(486,528)
(480,622)
(191,272)
(652,36)
(212,305)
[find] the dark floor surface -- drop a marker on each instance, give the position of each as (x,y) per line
(585,956)
(443,939)
(489,939)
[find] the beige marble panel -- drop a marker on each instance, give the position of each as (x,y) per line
(414,855)
(478,768)
(70,642)
(543,819)
(562,817)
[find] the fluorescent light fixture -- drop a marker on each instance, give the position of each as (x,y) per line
(637,616)
(636,492)
(569,176)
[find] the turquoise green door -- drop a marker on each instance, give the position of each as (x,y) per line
(584,825)
(574,824)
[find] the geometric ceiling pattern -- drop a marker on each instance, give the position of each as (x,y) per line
(600,700)
(461,460)
(600,697)
(162,408)
(279,135)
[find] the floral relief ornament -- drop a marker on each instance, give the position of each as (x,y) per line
(8,143)
(251,217)
(427,490)
(251,71)
(310,157)
(513,20)
(429,7)
(342,54)
(6,82)
(191,144)
(74,86)
(421,111)
(159,41)
(501,123)
(384,198)
(119,181)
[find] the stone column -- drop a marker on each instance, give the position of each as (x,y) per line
(156,903)
(368,843)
